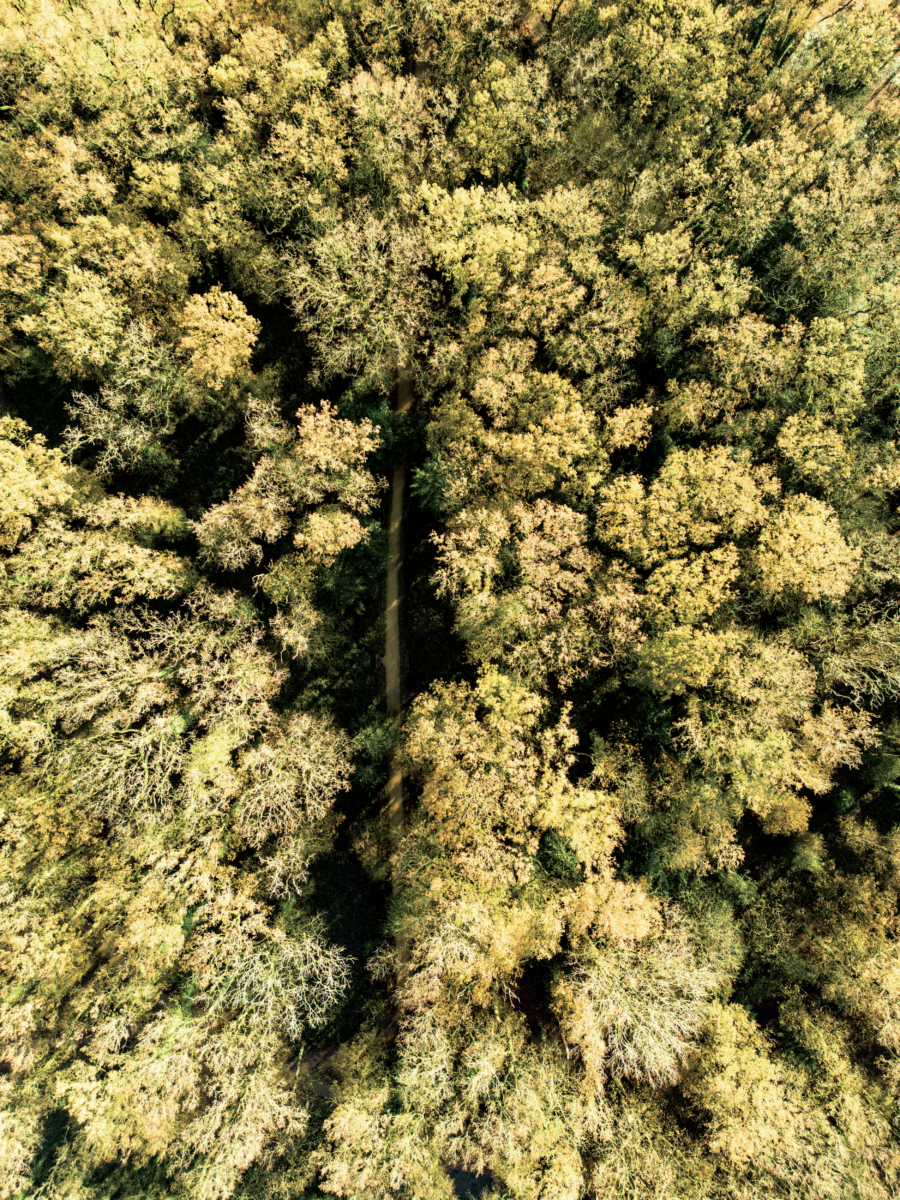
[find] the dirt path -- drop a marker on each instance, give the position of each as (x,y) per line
(392,638)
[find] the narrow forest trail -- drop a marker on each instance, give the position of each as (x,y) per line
(392,639)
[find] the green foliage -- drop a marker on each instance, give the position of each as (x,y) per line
(610,290)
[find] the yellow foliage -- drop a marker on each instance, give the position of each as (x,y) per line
(696,828)
(135,259)
(35,481)
(477,237)
(80,325)
(373,1153)
(633,1009)
(685,591)
(86,549)
(683,658)
(697,497)
(751,729)
(219,335)
(506,1103)
(394,127)
(361,294)
(536,269)
(467,939)
(293,778)
(495,776)
(187,1092)
(818,454)
(270,980)
(503,108)
(833,371)
(20,1136)
(72,180)
(629,427)
(682,288)
(756,1117)
(325,456)
(324,534)
(60,567)
(745,362)
(802,553)
(565,609)
(519,433)
(634,264)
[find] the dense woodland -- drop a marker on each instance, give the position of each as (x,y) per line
(450,599)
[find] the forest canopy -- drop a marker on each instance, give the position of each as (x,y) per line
(449,599)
